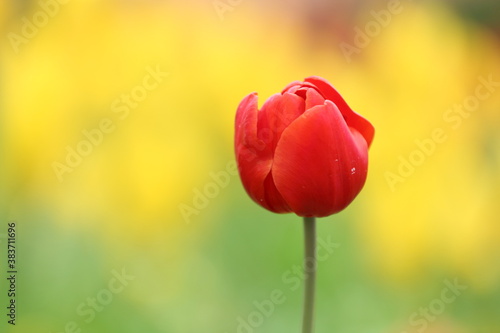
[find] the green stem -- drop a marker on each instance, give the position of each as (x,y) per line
(310,273)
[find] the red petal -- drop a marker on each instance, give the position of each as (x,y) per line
(313,98)
(276,114)
(292,87)
(254,158)
(245,129)
(320,165)
(352,118)
(295,85)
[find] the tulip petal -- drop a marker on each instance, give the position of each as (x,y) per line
(255,158)
(292,87)
(245,129)
(248,147)
(279,111)
(352,118)
(320,164)
(295,85)
(313,98)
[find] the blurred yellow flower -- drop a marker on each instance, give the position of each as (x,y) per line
(433,188)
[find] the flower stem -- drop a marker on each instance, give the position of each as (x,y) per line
(310,273)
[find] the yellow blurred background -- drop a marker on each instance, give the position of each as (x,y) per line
(117,165)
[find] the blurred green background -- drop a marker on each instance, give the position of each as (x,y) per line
(149,230)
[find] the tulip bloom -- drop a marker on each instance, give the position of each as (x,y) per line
(305,151)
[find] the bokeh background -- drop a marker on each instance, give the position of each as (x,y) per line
(157,201)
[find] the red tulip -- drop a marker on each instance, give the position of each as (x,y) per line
(305,151)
